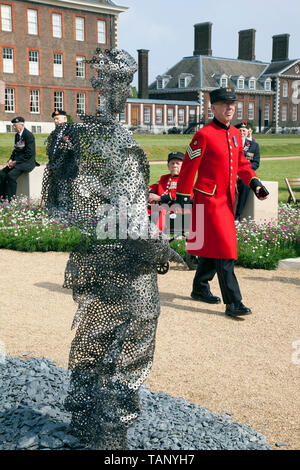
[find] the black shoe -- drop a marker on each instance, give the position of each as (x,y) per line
(237,309)
(206,297)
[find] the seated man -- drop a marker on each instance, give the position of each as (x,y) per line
(164,191)
(251,152)
(22,159)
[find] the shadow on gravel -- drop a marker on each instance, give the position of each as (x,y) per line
(52,287)
(285,280)
(169,300)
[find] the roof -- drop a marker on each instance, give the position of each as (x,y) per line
(278,67)
(207,70)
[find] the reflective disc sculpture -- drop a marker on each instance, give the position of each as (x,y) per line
(97,180)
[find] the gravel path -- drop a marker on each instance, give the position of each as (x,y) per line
(227,372)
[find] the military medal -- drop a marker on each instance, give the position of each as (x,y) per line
(235,141)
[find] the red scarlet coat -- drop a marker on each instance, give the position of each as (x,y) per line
(216,153)
(166,185)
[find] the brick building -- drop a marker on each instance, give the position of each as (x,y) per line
(267,93)
(43,45)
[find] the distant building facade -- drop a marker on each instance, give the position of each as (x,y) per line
(160,116)
(43,46)
(267,93)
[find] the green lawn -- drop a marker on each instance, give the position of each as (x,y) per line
(268,171)
(157,147)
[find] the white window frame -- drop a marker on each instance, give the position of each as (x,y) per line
(80,103)
(267,112)
(284,112)
(285,89)
(161,82)
(182,82)
(252,84)
(34,62)
(32,22)
(6,18)
(295,112)
(57,25)
(192,115)
(79,28)
(240,111)
(170,115)
(101,31)
(10,100)
(224,81)
(58,69)
(251,110)
(147,115)
(158,115)
(268,85)
(8,62)
(181,116)
(58,100)
(34,101)
(36,129)
(241,83)
(80,66)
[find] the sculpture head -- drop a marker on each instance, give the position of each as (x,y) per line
(115,70)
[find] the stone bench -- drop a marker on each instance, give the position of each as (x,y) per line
(263,211)
(30,184)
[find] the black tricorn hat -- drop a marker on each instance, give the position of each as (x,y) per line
(58,112)
(222,94)
(178,155)
(17,119)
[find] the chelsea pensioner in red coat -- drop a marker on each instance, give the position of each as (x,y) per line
(216,153)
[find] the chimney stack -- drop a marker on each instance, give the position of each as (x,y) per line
(247,44)
(280,49)
(143,73)
(203,39)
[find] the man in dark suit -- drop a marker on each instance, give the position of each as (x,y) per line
(22,159)
(252,153)
(63,151)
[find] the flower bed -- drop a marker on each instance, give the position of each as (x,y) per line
(24,226)
(261,246)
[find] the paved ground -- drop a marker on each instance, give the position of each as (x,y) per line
(249,367)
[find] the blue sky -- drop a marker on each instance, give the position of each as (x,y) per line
(166,28)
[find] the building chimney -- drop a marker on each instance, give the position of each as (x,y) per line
(143,73)
(280,49)
(203,39)
(247,44)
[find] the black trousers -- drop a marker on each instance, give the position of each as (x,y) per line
(207,268)
(8,182)
(243,191)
